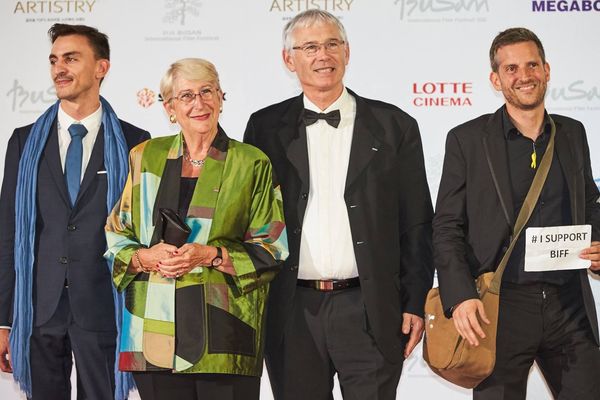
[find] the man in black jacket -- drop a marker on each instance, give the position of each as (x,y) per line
(548,317)
(358,213)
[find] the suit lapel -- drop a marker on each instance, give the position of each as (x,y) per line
(364,144)
(565,158)
(494,140)
(292,134)
(94,164)
(53,164)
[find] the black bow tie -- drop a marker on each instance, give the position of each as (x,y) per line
(332,118)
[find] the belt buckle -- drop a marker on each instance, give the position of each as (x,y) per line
(325,286)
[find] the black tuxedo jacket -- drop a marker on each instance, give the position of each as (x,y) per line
(471,230)
(69,242)
(388,204)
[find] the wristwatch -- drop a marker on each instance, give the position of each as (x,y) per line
(218,260)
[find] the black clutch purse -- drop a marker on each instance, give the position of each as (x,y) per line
(174,229)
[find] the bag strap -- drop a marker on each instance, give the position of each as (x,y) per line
(527,208)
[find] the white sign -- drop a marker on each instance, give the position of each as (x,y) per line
(556,248)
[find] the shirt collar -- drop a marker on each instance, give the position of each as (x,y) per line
(511,131)
(342,103)
(91,122)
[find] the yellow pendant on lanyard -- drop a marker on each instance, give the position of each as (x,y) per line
(533,158)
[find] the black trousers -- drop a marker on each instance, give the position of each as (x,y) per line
(546,324)
(53,346)
(169,386)
(329,333)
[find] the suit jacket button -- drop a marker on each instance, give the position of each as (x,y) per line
(293,268)
(63,260)
(71,228)
(304,196)
(297,231)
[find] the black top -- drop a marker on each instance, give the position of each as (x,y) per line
(186,191)
(552,208)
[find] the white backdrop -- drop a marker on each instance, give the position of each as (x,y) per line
(428,57)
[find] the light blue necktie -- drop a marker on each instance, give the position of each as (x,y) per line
(73,160)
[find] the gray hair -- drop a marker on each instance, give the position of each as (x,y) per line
(192,69)
(309,18)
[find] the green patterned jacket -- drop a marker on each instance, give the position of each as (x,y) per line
(205,321)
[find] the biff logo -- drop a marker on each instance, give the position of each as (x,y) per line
(178,10)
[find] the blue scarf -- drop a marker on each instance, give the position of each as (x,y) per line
(116,163)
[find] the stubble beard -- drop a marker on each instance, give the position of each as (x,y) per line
(513,98)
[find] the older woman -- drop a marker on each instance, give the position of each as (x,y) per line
(193,315)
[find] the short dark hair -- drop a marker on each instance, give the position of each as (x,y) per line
(512,36)
(97,39)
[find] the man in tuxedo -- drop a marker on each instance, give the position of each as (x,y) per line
(61,176)
(350,297)
(549,316)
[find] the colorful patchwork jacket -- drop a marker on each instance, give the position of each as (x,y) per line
(205,321)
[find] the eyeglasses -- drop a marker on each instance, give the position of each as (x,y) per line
(311,49)
(188,97)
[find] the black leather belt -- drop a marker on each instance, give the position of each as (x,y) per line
(329,285)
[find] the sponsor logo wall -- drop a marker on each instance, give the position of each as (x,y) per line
(429,57)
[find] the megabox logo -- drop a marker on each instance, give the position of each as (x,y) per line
(565,5)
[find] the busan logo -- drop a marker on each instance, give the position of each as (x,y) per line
(577,95)
(440,8)
(576,90)
(296,6)
(54,7)
(27,100)
(442,94)
(565,5)
(178,10)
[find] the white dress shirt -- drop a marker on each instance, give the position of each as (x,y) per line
(326,247)
(92,123)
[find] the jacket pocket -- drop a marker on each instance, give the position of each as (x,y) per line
(190,322)
(228,334)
